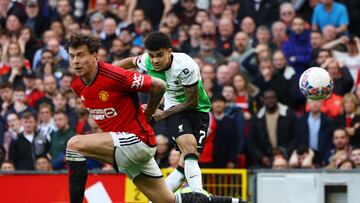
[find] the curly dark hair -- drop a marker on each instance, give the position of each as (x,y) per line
(156,41)
(93,43)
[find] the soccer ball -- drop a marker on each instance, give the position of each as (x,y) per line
(315,83)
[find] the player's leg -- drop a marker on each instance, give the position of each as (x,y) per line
(99,146)
(188,146)
(177,177)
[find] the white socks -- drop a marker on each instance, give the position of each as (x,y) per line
(193,172)
(175,179)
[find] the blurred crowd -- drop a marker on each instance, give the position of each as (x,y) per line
(251,54)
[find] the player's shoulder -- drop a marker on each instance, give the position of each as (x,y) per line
(183,61)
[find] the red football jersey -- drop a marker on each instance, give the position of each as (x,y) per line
(113,102)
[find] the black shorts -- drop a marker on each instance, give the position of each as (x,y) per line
(189,122)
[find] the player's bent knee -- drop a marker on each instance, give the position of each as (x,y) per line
(189,148)
(75,143)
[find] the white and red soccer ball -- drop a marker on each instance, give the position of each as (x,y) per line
(315,83)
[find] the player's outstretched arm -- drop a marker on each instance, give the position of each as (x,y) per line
(157,91)
(127,63)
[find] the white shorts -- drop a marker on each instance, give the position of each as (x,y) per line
(133,157)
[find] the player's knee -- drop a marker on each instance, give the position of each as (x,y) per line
(75,143)
(189,148)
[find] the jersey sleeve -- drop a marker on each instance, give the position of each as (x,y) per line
(136,82)
(140,62)
(188,76)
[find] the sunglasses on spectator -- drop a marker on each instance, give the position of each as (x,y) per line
(287,13)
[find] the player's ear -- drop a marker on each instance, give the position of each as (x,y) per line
(169,50)
(95,55)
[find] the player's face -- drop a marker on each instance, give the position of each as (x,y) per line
(81,61)
(160,59)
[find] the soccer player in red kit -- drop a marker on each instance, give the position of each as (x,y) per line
(128,141)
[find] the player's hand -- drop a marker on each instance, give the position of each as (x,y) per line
(159,115)
(143,107)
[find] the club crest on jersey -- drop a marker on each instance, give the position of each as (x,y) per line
(104,96)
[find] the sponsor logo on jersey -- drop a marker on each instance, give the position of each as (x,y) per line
(104,96)
(102,114)
(138,81)
(186,71)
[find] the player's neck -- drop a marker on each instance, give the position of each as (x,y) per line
(89,78)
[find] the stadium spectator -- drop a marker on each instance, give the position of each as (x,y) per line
(298,48)
(249,27)
(247,95)
(222,77)
(343,82)
(7,166)
(346,164)
(32,94)
(274,126)
(59,101)
(251,62)
(154,10)
(14,127)
(162,151)
(46,121)
(174,158)
(202,16)
(332,13)
(97,24)
(65,83)
(349,119)
(207,50)
(19,106)
(225,39)
(263,12)
(278,32)
(192,45)
(209,27)
(52,42)
(287,13)
(353,8)
(28,43)
(302,157)
(279,163)
(281,67)
(43,164)
(62,8)
(28,145)
(267,78)
(49,90)
(221,145)
(231,110)
(316,130)
(59,139)
(8,7)
(187,11)
(217,8)
(35,21)
(355,156)
(341,149)
(350,58)
(263,36)
(110,32)
(242,48)
(6,95)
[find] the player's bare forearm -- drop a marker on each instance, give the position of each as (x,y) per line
(127,63)
(156,94)
(191,101)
